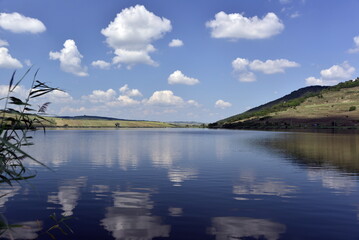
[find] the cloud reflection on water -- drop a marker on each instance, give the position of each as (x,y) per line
(26,230)
(7,192)
(177,175)
(130,217)
(68,195)
(249,185)
(332,179)
(225,228)
(175,211)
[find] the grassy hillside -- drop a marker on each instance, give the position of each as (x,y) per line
(327,107)
(94,122)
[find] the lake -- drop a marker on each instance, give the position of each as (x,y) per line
(189,184)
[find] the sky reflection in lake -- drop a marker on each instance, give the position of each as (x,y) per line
(193,184)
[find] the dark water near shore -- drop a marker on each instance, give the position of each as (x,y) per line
(190,184)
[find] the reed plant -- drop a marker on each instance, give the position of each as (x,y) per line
(18,118)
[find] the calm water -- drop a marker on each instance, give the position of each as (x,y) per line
(190,184)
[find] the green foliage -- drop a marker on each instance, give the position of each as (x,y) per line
(59,224)
(352,108)
(347,84)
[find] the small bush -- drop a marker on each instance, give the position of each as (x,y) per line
(352,108)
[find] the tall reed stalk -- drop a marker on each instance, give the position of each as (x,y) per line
(17,119)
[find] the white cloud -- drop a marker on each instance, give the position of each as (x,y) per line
(165,97)
(176,43)
(125,90)
(131,33)
(99,96)
(332,75)
(320,81)
(28,62)
(193,103)
(177,77)
(235,26)
(222,104)
(343,71)
(101,64)
(20,91)
(133,57)
(356,42)
(7,61)
(242,66)
(3,43)
(18,23)
(126,101)
(295,15)
(284,1)
(59,97)
(70,59)
(247,77)
(272,66)
(73,110)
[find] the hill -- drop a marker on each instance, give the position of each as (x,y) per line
(310,107)
(87,117)
(102,122)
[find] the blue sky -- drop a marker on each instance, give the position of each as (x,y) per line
(200,60)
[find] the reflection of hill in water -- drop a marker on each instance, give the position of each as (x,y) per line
(321,149)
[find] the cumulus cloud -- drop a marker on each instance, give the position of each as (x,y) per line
(193,103)
(74,110)
(165,97)
(332,75)
(57,96)
(246,77)
(177,77)
(272,66)
(242,67)
(7,61)
(19,91)
(356,48)
(124,100)
(343,71)
(222,104)
(126,91)
(131,33)
(320,81)
(111,98)
(18,23)
(175,43)
(101,64)
(3,43)
(70,59)
(235,26)
(99,96)
(240,64)
(133,57)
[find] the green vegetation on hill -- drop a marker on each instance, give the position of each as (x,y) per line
(99,122)
(92,122)
(307,107)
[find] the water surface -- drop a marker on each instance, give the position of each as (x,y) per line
(190,184)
